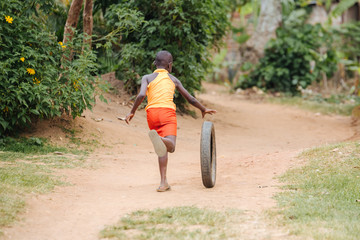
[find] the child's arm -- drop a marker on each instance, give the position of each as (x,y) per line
(140,97)
(191,99)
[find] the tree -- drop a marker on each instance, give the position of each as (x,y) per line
(268,21)
(88,20)
(188,29)
(72,20)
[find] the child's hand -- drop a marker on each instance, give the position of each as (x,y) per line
(129,117)
(208,111)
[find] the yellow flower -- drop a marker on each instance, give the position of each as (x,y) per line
(76,85)
(36,81)
(30,71)
(62,45)
(6,109)
(9,19)
(22,59)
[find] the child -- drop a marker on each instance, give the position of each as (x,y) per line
(161,117)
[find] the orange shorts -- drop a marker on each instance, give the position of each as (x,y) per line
(163,120)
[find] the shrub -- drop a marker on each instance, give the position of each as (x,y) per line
(286,65)
(34,82)
(348,35)
(188,29)
(299,55)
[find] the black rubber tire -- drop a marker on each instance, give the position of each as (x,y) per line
(208,154)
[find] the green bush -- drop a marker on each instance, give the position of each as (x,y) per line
(286,65)
(188,29)
(34,80)
(349,40)
(299,55)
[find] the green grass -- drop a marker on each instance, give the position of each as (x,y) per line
(26,166)
(319,201)
(76,141)
(331,105)
(176,223)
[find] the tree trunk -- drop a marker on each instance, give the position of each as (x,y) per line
(269,20)
(72,20)
(88,21)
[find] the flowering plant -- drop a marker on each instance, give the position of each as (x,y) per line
(36,78)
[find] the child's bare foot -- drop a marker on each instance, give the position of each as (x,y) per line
(159,145)
(163,188)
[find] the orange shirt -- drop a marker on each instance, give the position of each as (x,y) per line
(160,92)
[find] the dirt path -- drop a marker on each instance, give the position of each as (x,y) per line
(255,143)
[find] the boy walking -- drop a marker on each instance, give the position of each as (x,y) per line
(159,87)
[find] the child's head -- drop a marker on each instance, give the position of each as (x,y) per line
(164,60)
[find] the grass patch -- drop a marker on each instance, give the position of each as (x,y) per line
(76,141)
(319,200)
(32,145)
(176,223)
(336,104)
(26,166)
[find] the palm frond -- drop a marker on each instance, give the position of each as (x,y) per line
(342,7)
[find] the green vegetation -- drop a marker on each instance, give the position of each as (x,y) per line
(176,223)
(303,54)
(188,29)
(78,142)
(351,39)
(295,59)
(26,166)
(37,80)
(320,198)
(348,39)
(335,104)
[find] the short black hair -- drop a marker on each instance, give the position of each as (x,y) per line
(163,58)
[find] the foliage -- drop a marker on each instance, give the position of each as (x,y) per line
(234,4)
(305,3)
(299,55)
(109,31)
(220,59)
(342,7)
(350,39)
(34,81)
(56,18)
(188,29)
(348,42)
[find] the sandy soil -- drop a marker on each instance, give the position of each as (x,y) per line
(255,143)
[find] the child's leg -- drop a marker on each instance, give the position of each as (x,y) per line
(159,145)
(170,142)
(163,167)
(162,146)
